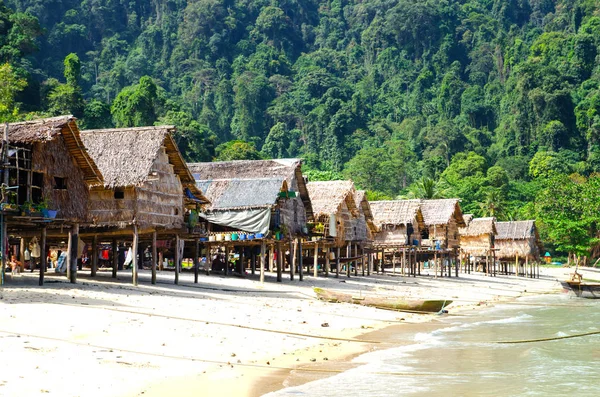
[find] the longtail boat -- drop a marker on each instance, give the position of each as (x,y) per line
(403,305)
(583,289)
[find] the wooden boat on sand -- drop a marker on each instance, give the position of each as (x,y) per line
(583,289)
(417,305)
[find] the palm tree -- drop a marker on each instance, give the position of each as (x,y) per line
(426,188)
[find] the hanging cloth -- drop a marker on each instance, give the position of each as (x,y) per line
(27,255)
(129,257)
(35,248)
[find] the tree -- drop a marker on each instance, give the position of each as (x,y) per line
(135,106)
(10,85)
(426,188)
(236,150)
(67,98)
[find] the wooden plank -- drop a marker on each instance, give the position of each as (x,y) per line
(134,262)
(43,257)
(72,257)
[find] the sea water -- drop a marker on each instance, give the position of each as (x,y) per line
(463,356)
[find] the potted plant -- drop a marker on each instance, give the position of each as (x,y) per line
(43,207)
(27,208)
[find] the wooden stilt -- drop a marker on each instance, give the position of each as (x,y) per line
(43,256)
(253,261)
(271,262)
(94,256)
(292,257)
(279,263)
(337,263)
(348,255)
(73,243)
(243,260)
(22,254)
(369,263)
(527,270)
(177,259)
(263,258)
(300,261)
(435,264)
(155,258)
(356,262)
(134,262)
(327,251)
(362,259)
(226,260)
(517,270)
(196,260)
(115,258)
(316,260)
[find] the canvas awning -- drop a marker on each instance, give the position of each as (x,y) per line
(251,220)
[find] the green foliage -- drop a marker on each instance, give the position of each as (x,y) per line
(10,85)
(135,106)
(236,150)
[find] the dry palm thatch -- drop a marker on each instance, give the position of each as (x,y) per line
(479,226)
(126,156)
(441,211)
(45,130)
(232,194)
(395,212)
(290,169)
(517,238)
(328,197)
(467,218)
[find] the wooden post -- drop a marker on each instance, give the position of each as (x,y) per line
(22,255)
(94,256)
(154,258)
(362,259)
(279,263)
(369,263)
(456,261)
(517,265)
(337,263)
(300,261)
(43,256)
(177,259)
(196,260)
(435,264)
(527,270)
(115,258)
(262,261)
(327,251)
(271,249)
(243,261)
(134,248)
(348,255)
(72,257)
(292,258)
(226,260)
(253,261)
(316,260)
(356,260)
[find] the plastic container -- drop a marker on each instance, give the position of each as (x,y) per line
(242,237)
(250,236)
(203,238)
(218,237)
(259,235)
(235,237)
(212,238)
(227,237)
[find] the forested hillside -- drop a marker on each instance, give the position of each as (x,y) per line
(494,101)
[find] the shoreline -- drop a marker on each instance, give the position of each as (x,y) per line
(225,335)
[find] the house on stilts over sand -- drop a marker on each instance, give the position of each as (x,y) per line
(518,243)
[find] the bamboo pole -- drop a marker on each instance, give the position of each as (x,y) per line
(337,263)
(348,254)
(356,262)
(226,260)
(292,258)
(300,261)
(327,251)
(196,261)
(271,249)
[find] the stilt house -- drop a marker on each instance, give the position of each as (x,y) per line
(517,240)
(477,238)
(335,209)
(443,218)
(364,228)
(399,222)
(146,181)
(47,163)
(294,212)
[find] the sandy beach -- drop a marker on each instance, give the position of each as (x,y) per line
(223,336)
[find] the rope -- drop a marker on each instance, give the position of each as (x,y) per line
(549,339)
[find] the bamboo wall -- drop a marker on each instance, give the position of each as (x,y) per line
(53,160)
(509,249)
(476,245)
(396,235)
(104,209)
(447,235)
(160,200)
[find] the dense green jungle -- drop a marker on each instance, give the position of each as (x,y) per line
(493,101)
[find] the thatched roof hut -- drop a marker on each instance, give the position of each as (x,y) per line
(295,211)
(477,238)
(518,238)
(442,217)
(334,206)
(250,205)
(145,181)
(399,222)
(290,169)
(48,161)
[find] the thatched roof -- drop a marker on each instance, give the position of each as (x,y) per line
(327,197)
(126,155)
(468,218)
(290,169)
(228,194)
(396,212)
(45,130)
(441,211)
(516,230)
(479,226)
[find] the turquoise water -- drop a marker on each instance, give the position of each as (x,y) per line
(463,359)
